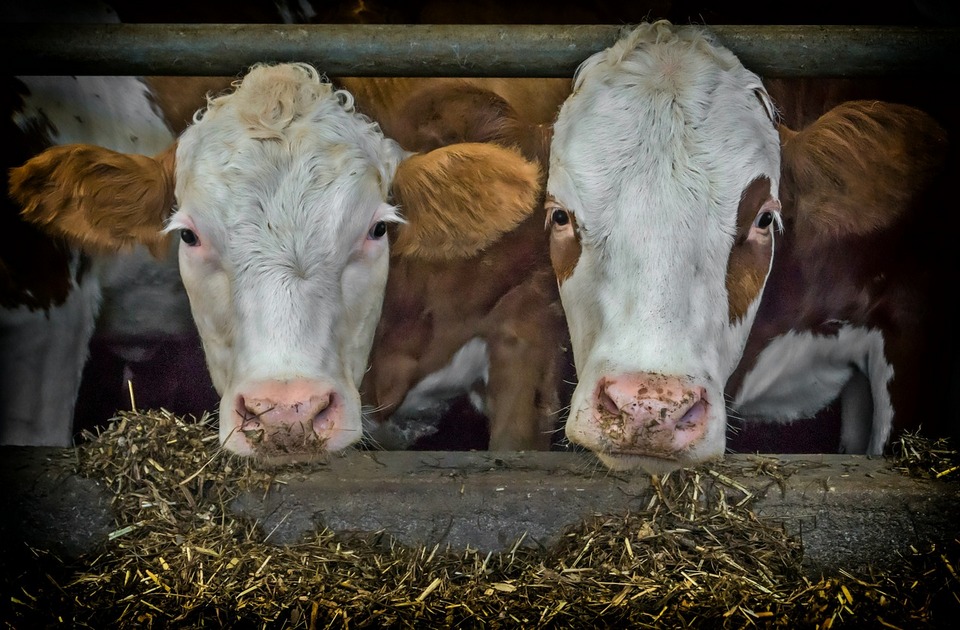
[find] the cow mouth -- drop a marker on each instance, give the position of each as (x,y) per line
(628,461)
(295,440)
(668,441)
(281,444)
(655,458)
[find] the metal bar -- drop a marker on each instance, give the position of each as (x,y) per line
(453,50)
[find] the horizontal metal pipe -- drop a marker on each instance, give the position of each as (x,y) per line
(452,50)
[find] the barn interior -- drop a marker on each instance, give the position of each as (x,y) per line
(144,521)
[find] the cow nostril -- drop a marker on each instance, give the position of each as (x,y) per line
(250,413)
(606,403)
(323,417)
(694,416)
(253,435)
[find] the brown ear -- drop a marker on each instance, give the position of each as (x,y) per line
(98,199)
(860,166)
(459,199)
(786,135)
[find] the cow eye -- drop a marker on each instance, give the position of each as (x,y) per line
(763,220)
(560,217)
(189,237)
(378,230)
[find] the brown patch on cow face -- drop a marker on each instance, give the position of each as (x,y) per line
(98,199)
(565,247)
(458,200)
(749,260)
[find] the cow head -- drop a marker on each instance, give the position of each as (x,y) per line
(662,202)
(280,194)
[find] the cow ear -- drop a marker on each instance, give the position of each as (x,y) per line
(860,167)
(459,199)
(97,199)
(786,135)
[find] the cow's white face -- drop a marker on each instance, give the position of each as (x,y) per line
(281,192)
(662,200)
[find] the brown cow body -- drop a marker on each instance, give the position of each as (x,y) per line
(500,302)
(859,266)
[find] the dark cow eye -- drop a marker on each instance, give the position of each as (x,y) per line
(764,219)
(560,217)
(378,230)
(189,237)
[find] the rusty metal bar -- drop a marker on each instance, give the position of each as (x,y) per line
(453,50)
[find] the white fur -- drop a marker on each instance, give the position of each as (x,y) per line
(470,365)
(651,153)
(798,374)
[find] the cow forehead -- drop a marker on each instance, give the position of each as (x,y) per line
(285,156)
(672,119)
(324,198)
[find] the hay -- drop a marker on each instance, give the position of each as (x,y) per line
(920,456)
(696,556)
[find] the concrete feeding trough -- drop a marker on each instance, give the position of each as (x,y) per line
(848,510)
(152,519)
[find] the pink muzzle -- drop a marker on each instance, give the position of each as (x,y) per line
(650,415)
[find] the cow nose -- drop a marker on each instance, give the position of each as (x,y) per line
(284,411)
(287,416)
(651,414)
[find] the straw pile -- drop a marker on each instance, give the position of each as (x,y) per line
(697,556)
(918,456)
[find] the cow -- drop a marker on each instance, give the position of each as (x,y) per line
(292,209)
(52,295)
(56,302)
(133,317)
(55,299)
(501,329)
(708,257)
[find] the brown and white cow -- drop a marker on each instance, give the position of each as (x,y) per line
(54,298)
(669,182)
(288,203)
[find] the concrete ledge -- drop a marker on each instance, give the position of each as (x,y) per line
(850,511)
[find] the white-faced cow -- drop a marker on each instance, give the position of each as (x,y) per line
(669,183)
(287,203)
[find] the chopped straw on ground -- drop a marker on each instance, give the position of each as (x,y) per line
(696,556)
